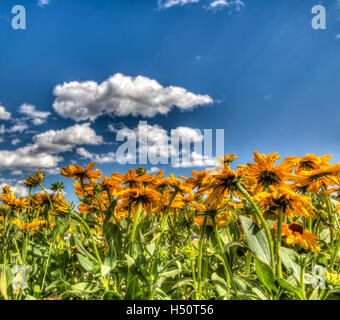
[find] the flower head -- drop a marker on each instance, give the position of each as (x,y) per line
(79,173)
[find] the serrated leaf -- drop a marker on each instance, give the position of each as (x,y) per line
(256,240)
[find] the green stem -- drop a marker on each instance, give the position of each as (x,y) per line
(200,253)
(165,219)
(86,226)
(229,272)
(278,242)
(134,227)
(263,222)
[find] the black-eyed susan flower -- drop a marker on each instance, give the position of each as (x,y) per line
(294,233)
(309,162)
(79,173)
(285,199)
(264,173)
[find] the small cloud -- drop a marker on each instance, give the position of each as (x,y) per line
(165,4)
(38,117)
(99,158)
(15,141)
(154,170)
(268,97)
(43,3)
(198,57)
(20,127)
(337,37)
(233,5)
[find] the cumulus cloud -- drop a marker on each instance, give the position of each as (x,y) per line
(38,117)
(165,4)
(23,158)
(99,158)
(18,187)
(156,146)
(122,96)
(57,141)
(42,153)
(4,115)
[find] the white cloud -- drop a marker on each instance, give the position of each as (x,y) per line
(15,141)
(221,4)
(99,158)
(20,127)
(165,4)
(38,117)
(154,170)
(159,146)
(337,37)
(122,96)
(43,3)
(23,158)
(42,153)
(53,171)
(196,160)
(57,141)
(4,115)
(18,188)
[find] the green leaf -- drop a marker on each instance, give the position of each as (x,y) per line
(161,295)
(289,259)
(85,263)
(111,259)
(219,284)
(105,270)
(265,275)
(82,250)
(132,289)
(290,288)
(3,281)
(84,287)
(111,295)
(256,240)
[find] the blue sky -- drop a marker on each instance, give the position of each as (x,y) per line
(256,69)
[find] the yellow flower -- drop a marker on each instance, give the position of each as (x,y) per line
(309,162)
(78,173)
(61,207)
(35,179)
(294,233)
(146,196)
(32,226)
(283,198)
(12,201)
(315,180)
(264,173)
(220,185)
(332,278)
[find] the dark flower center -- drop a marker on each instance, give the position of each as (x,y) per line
(296,227)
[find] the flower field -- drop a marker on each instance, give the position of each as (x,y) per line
(267,230)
